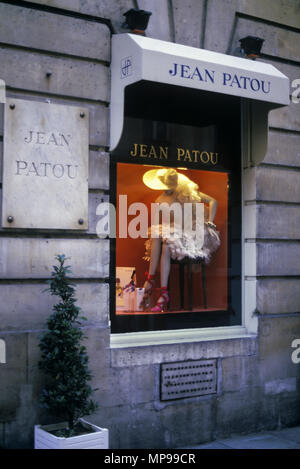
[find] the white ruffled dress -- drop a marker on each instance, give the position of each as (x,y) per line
(183,243)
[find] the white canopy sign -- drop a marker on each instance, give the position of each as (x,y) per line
(136,58)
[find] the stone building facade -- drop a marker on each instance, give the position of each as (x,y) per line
(61,50)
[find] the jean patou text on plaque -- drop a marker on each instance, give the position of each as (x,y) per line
(45,166)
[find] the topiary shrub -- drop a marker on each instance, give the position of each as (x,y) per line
(64,359)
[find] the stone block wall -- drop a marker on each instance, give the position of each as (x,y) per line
(48,55)
(60,50)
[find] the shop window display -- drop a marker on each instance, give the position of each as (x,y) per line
(161,285)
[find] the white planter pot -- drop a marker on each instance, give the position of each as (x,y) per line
(98,439)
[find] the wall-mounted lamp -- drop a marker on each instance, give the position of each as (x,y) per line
(137,20)
(251,46)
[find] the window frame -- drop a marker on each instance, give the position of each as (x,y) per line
(246,328)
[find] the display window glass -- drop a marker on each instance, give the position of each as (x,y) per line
(187,291)
(164,273)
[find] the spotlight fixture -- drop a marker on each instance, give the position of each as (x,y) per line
(251,46)
(137,20)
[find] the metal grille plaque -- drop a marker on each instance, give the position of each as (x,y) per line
(188,379)
(45,166)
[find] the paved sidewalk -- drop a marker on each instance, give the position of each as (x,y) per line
(288,438)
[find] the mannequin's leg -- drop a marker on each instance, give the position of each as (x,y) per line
(154,259)
(165,265)
(155,255)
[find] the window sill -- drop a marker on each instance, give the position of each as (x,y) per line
(149,338)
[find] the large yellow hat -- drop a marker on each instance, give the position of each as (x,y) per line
(164,179)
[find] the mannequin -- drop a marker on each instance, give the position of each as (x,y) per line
(176,188)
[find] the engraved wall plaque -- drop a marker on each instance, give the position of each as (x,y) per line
(45,166)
